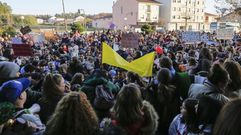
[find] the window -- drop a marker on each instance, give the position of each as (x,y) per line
(178,1)
(142,17)
(198,2)
(179,9)
(197,10)
(121,10)
(178,17)
(174,9)
(174,17)
(174,1)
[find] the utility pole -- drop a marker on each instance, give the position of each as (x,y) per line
(65,23)
(186,17)
(84,22)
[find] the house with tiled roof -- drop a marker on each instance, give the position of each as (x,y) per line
(131,13)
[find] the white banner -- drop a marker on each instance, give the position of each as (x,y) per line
(190,36)
(225,34)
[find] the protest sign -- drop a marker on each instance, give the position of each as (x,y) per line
(22,50)
(25,30)
(49,35)
(16,40)
(39,38)
(190,36)
(129,40)
(225,34)
(204,38)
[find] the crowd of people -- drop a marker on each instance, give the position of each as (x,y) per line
(64,89)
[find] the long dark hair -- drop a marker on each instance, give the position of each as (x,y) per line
(208,110)
(50,86)
(190,119)
(128,106)
(165,91)
(218,74)
(234,70)
(228,121)
(135,78)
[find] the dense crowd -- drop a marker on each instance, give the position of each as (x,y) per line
(64,89)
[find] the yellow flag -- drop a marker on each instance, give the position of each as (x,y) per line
(109,56)
(142,66)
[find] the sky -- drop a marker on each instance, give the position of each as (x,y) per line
(52,7)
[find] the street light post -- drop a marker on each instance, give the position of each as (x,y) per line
(65,23)
(84,23)
(186,16)
(22,18)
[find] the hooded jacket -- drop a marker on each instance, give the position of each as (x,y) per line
(208,89)
(90,84)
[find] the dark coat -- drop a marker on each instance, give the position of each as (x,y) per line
(47,107)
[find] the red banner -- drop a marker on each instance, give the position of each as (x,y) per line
(22,50)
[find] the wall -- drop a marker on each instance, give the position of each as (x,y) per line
(102,23)
(125,9)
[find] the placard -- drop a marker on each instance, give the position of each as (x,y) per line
(49,35)
(22,50)
(191,36)
(25,30)
(204,37)
(38,38)
(225,33)
(17,40)
(129,40)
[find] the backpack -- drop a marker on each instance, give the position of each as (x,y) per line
(104,98)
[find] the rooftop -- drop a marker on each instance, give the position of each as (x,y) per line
(149,1)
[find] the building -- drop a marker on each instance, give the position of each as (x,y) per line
(209,19)
(80,19)
(183,14)
(132,13)
(105,22)
(40,21)
(231,20)
(230,17)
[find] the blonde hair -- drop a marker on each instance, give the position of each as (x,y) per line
(73,116)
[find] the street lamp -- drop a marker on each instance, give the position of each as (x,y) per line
(65,23)
(84,23)
(22,18)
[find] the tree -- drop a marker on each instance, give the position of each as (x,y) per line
(230,5)
(5,13)
(147,28)
(7,30)
(28,20)
(77,27)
